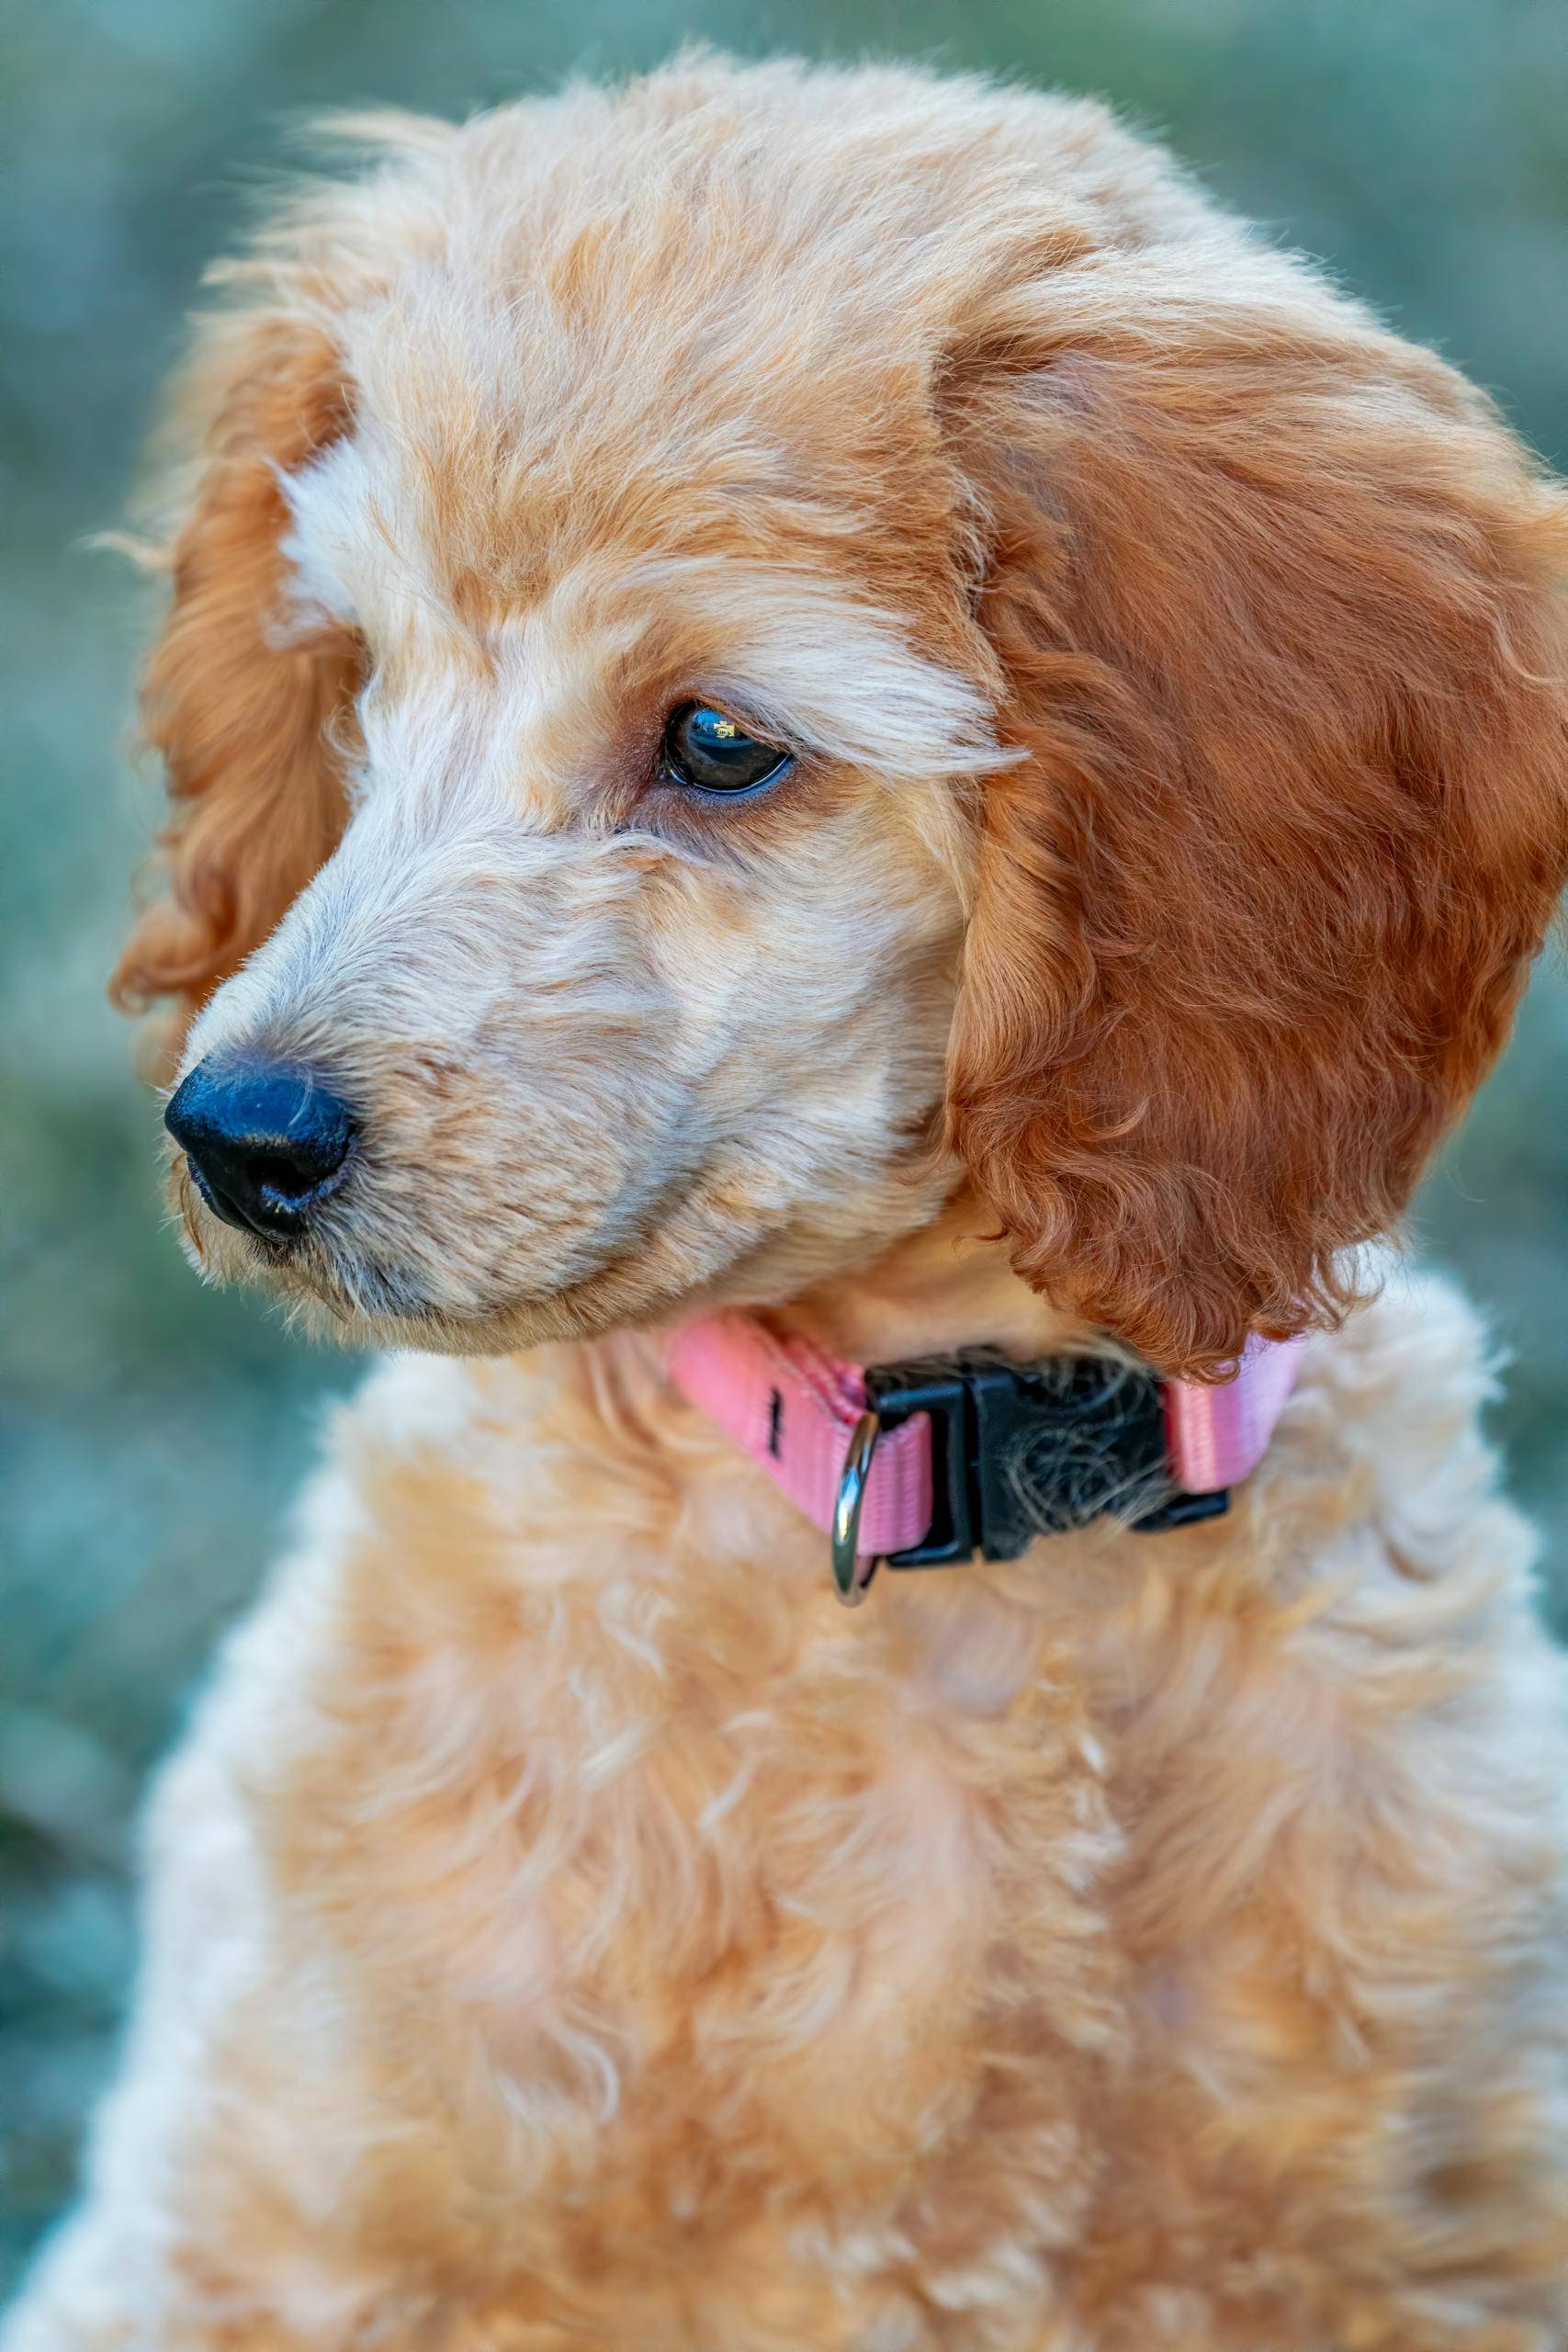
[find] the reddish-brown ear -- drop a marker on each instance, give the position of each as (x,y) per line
(1277,600)
(243,711)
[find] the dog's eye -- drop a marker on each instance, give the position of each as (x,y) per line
(711,753)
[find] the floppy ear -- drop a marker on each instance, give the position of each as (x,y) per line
(242,707)
(1274,593)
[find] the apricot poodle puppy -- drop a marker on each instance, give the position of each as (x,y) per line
(826,735)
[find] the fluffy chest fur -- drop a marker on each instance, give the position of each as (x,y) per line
(629,1811)
(614,1927)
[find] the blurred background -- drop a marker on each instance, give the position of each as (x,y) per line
(149,1431)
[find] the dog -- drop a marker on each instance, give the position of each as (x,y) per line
(821,707)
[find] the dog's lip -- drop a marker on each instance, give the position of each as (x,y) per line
(329,1270)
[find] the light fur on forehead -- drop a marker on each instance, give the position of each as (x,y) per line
(826,665)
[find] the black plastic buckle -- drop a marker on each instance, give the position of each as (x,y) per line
(1025,1449)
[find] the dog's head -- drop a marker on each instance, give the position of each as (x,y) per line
(749,650)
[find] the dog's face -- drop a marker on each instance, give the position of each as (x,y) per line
(634,966)
(746,652)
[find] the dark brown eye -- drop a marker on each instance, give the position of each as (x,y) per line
(708,751)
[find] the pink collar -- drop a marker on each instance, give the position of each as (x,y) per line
(927,1463)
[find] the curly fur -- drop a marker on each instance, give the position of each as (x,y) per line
(567,1927)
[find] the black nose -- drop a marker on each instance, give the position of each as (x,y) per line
(265,1142)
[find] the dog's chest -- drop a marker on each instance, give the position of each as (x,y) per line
(689,1861)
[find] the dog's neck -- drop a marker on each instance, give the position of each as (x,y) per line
(931,1462)
(947,1287)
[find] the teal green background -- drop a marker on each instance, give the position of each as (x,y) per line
(150,1430)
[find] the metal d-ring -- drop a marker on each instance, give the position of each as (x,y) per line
(846,1582)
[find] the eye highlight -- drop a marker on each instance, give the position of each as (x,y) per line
(706,750)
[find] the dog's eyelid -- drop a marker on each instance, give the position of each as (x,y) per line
(748,710)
